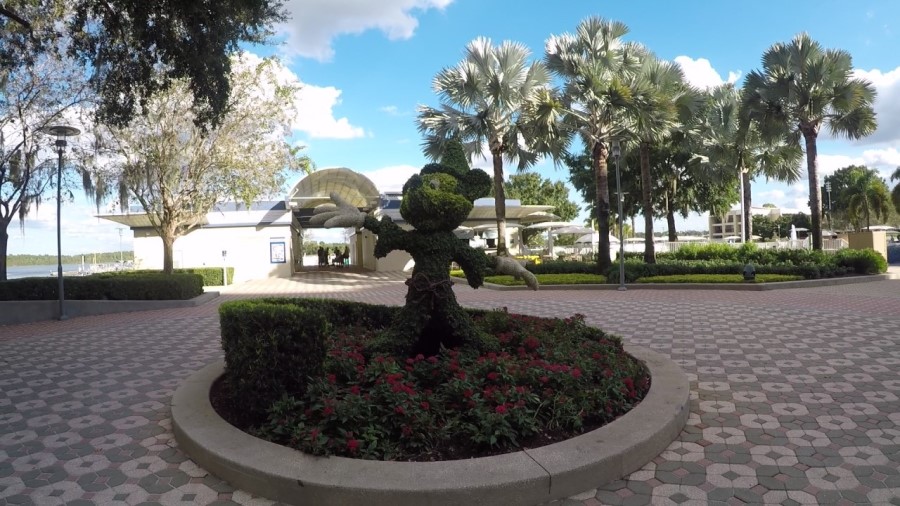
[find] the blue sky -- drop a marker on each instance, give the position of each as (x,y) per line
(366,65)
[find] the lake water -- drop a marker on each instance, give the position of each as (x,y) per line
(40,271)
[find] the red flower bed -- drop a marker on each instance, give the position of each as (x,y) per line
(551,379)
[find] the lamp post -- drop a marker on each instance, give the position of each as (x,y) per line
(61,132)
(617,153)
(828,191)
(121,259)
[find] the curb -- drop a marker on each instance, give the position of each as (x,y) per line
(29,311)
(526,477)
(746,287)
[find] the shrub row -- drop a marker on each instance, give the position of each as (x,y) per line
(212,276)
(109,286)
(717,278)
(273,346)
(550,279)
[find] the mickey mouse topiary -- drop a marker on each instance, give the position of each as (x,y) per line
(435,202)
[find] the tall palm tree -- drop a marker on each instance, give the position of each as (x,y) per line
(494,97)
(735,144)
(663,102)
(868,195)
(895,193)
(802,87)
(596,65)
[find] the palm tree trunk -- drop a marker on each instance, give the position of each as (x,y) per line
(649,250)
(748,216)
(4,241)
(500,204)
(815,193)
(670,222)
(598,156)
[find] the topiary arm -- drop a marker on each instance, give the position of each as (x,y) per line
(390,236)
(473,262)
(509,266)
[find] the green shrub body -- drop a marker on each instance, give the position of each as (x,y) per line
(107,286)
(435,202)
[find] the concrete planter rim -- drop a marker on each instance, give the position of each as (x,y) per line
(525,477)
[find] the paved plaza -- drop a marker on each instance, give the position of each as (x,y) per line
(794,393)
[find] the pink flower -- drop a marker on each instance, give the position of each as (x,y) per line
(328,411)
(399,410)
(500,409)
(331,378)
(576,373)
(352,445)
(493,376)
(424,405)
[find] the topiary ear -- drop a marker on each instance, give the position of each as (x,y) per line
(412,183)
(476,184)
(433,168)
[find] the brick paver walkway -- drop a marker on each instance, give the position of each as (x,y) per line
(794,393)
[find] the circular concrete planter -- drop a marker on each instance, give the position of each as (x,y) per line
(526,477)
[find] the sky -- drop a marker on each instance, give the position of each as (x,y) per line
(365,66)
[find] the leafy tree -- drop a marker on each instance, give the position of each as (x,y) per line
(583,178)
(843,186)
(134,49)
(801,88)
(868,195)
(663,101)
(532,189)
(495,98)
(178,172)
(895,193)
(596,65)
(32,98)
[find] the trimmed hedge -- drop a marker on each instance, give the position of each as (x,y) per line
(273,346)
(550,279)
(718,278)
(561,267)
(212,276)
(272,349)
(865,261)
(107,286)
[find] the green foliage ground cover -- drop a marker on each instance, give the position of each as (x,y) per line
(549,279)
(550,379)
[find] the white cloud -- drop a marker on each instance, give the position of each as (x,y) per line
(390,110)
(315,114)
(314,108)
(701,73)
(887,104)
(314,24)
(391,179)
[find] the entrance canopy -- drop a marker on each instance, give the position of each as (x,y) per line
(316,188)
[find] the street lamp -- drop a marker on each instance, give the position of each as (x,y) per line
(828,191)
(61,132)
(617,153)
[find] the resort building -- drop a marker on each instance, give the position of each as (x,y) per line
(266,240)
(731,226)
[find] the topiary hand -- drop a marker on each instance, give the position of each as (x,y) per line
(342,214)
(509,266)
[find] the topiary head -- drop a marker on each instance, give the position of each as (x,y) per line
(440,197)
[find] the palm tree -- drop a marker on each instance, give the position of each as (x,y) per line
(494,96)
(737,147)
(800,88)
(663,102)
(868,195)
(596,65)
(895,193)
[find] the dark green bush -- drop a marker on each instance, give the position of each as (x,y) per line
(272,349)
(212,276)
(549,279)
(107,286)
(861,261)
(718,278)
